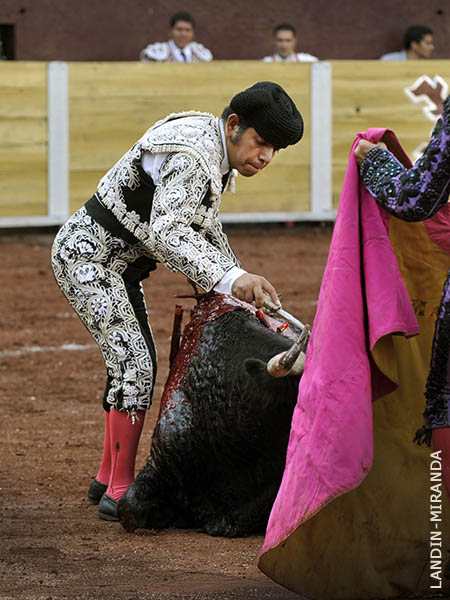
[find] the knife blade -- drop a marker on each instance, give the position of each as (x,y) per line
(272,309)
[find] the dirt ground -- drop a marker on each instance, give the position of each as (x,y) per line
(52,543)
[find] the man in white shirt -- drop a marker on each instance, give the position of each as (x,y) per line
(181,47)
(160,204)
(285,40)
(418,44)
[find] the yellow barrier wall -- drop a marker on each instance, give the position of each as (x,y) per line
(112,104)
(371,94)
(23,138)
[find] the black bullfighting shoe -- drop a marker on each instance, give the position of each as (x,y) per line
(107,509)
(96,491)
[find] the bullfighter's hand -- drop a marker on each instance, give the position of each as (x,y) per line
(251,288)
(363,148)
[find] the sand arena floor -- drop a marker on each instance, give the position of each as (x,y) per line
(52,544)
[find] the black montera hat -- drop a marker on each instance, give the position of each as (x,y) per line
(267,108)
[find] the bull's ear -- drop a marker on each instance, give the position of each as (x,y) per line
(272,389)
(256,368)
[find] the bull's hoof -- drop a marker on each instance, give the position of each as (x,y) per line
(127,519)
(131,514)
(221,527)
(107,509)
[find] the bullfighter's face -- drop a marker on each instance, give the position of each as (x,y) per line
(248,152)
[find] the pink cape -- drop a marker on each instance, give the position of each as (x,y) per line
(362,298)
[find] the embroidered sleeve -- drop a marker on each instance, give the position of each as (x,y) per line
(417,193)
(218,238)
(158,52)
(201,52)
(437,407)
(177,199)
(305,57)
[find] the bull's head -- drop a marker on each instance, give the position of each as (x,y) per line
(292,361)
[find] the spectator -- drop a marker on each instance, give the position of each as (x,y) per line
(181,47)
(285,40)
(418,44)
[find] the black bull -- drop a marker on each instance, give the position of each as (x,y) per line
(219,446)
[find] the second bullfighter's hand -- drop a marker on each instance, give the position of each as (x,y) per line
(251,289)
(363,148)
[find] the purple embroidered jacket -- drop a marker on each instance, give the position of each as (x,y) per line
(416,194)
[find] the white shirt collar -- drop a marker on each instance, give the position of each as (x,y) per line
(224,165)
(292,57)
(187,50)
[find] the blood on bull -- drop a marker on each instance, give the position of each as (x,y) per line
(219,445)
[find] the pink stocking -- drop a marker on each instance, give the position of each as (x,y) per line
(124,440)
(105,466)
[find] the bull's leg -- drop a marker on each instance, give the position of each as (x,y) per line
(244,519)
(134,507)
(144,506)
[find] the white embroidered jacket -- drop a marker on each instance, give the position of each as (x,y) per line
(293,57)
(163,52)
(184,231)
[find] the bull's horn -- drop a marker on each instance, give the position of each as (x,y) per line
(292,361)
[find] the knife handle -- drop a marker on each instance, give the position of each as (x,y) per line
(269,307)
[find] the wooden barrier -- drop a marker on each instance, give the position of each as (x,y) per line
(23,135)
(372,94)
(110,105)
